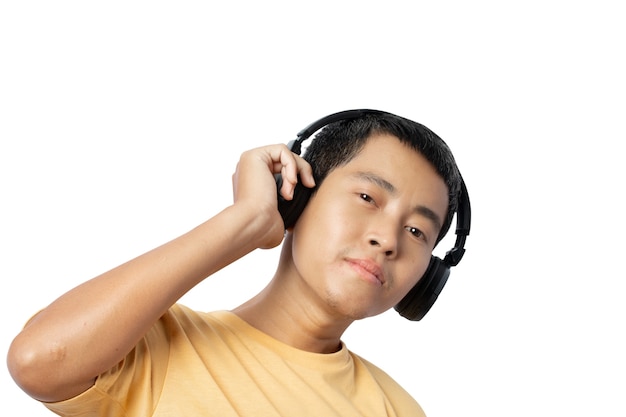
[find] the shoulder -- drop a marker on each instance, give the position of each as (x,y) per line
(374,370)
(399,399)
(182,318)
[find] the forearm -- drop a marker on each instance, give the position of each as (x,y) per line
(90,328)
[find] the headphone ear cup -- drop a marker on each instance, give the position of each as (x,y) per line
(290,210)
(423,295)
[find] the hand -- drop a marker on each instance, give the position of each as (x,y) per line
(254,185)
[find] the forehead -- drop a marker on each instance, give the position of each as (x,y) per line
(384,156)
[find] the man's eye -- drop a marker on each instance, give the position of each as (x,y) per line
(414,231)
(366,197)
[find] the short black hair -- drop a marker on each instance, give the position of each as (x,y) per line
(338,143)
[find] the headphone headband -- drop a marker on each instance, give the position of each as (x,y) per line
(463,221)
(304,134)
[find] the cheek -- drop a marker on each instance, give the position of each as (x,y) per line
(318,244)
(323,222)
(411,274)
(311,236)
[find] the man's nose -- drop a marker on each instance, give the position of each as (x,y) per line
(384,236)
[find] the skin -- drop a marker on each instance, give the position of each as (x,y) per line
(331,270)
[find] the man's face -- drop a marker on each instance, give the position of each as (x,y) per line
(367,234)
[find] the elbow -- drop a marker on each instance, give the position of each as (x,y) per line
(33,368)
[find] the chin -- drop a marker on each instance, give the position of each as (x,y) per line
(351,309)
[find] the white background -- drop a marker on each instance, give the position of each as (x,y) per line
(121,124)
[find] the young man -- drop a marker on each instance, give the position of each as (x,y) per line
(383,191)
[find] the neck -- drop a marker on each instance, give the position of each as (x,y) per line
(288,311)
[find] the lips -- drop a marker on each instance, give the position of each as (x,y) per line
(368,269)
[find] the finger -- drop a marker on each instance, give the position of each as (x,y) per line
(299,170)
(305,171)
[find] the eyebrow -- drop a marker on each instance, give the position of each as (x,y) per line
(390,188)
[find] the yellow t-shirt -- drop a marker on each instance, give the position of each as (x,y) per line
(215,364)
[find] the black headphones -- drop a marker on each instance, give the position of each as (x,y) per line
(423,295)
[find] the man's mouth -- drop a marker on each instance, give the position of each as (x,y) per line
(368,269)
